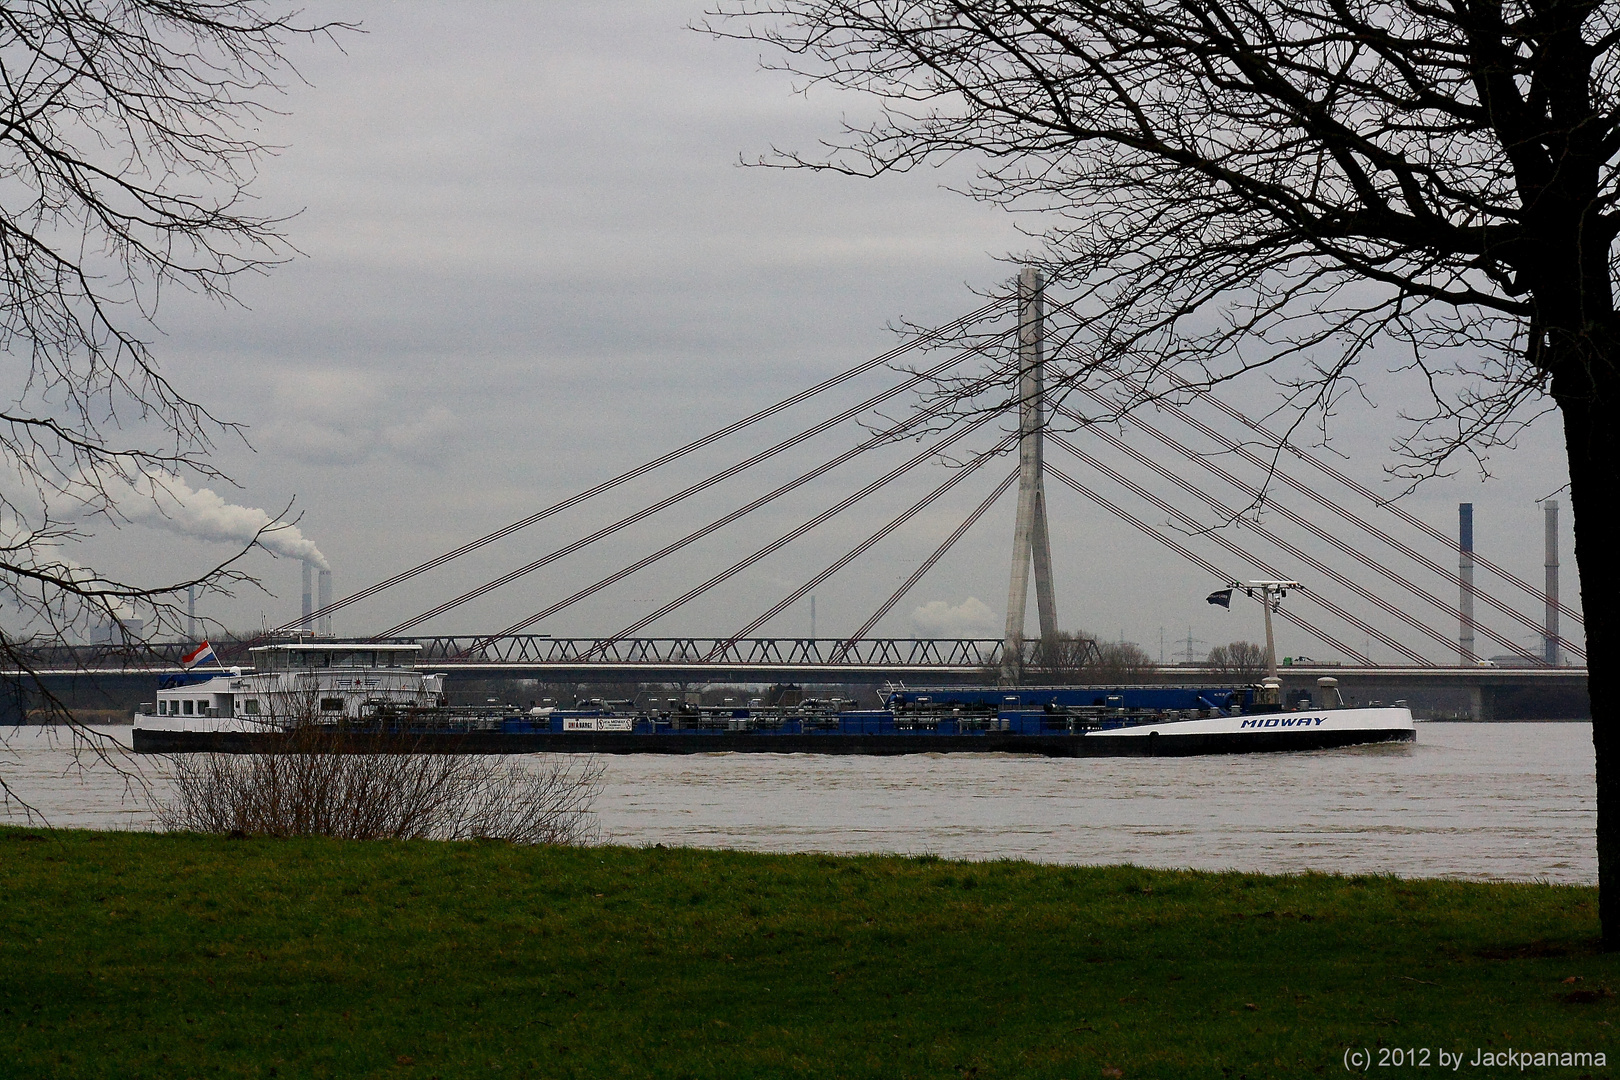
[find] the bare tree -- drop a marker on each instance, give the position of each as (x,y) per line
(1063,660)
(124,171)
(1123,662)
(1241,661)
(1076,659)
(1232,185)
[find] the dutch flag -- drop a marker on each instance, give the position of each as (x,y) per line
(201,654)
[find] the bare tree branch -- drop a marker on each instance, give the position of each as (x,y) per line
(126,162)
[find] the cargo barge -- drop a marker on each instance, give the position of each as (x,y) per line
(360,691)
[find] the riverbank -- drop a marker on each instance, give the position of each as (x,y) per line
(133,955)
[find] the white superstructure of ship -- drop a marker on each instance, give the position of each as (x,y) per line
(307,682)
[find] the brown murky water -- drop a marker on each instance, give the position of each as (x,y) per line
(1489,801)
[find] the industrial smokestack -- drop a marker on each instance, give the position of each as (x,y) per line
(1465,572)
(325,600)
(1550,510)
(309,597)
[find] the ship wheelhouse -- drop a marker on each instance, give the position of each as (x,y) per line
(321,682)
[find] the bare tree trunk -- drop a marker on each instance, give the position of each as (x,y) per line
(1588,398)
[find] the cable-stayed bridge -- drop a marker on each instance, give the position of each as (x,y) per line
(1168,464)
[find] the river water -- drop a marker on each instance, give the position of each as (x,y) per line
(1509,802)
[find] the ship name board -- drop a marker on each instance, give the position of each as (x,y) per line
(1283,721)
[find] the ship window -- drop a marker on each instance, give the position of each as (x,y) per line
(187,707)
(250,706)
(163,708)
(331,704)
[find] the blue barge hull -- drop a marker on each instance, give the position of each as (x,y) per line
(1048,721)
(605,742)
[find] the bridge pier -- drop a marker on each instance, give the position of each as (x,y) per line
(1032,543)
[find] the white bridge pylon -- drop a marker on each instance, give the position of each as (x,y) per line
(1032,546)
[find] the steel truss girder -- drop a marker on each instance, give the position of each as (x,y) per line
(943,653)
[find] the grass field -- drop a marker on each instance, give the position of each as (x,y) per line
(129,955)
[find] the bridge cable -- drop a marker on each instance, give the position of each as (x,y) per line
(928,563)
(1211,568)
(1229,512)
(1449,541)
(1354,519)
(702,485)
(1221,508)
(1177,515)
(880,438)
(1279,442)
(1353,620)
(782,542)
(958,475)
(641,470)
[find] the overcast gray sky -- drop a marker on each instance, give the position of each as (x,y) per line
(532,260)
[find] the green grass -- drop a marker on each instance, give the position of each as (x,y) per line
(128,955)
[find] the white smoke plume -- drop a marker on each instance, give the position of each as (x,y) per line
(168,502)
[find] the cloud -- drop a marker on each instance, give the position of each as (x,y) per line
(346,417)
(971,618)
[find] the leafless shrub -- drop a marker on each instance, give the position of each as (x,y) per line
(549,805)
(318,787)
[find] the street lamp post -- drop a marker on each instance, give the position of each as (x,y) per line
(1271,593)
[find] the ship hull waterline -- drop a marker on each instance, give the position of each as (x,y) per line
(1149,744)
